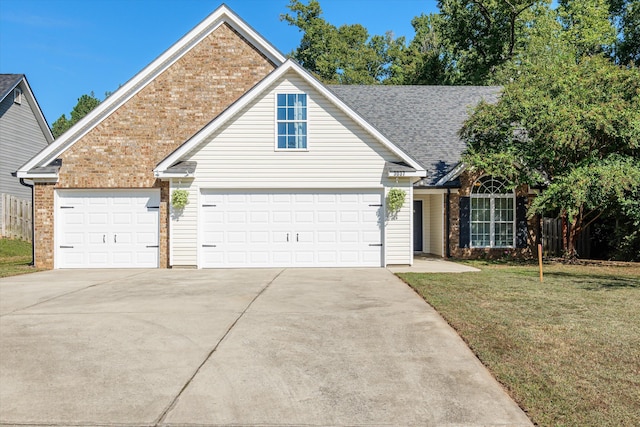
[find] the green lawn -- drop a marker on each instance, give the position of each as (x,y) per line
(15,257)
(567,350)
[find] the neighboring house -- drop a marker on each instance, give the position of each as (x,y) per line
(280,169)
(23,133)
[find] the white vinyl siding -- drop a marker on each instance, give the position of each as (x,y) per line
(432,221)
(399,231)
(436,224)
(241,155)
(184,227)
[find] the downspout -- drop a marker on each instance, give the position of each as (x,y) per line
(33,221)
(448,215)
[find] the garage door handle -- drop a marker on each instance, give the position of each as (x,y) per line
(209,206)
(377,206)
(66,247)
(209,246)
(375,244)
(115,238)
(287,237)
(67,207)
(152,246)
(104,238)
(297,237)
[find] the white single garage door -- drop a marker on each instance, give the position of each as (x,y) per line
(291,229)
(107,229)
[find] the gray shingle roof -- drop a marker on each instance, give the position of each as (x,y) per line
(424,121)
(7,83)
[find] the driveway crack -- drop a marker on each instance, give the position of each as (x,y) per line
(69,293)
(172,404)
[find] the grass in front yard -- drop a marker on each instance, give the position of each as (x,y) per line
(15,257)
(567,350)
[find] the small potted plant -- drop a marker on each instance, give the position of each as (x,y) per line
(179,199)
(395,200)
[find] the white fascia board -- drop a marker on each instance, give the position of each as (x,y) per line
(259,88)
(25,175)
(169,175)
(220,16)
(455,172)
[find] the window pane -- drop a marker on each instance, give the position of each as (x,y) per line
(291,120)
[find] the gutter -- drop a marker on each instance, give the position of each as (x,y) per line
(33,220)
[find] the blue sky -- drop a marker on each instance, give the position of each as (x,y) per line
(71,47)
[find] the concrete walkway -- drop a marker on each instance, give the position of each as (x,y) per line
(425,264)
(274,347)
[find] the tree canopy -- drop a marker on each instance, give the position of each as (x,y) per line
(85,104)
(570,127)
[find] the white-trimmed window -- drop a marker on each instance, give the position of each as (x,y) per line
(492,214)
(291,121)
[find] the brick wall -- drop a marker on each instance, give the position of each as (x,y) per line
(122,151)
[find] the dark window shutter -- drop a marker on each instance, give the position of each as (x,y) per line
(465,221)
(521,222)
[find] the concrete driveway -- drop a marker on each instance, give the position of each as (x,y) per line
(235,347)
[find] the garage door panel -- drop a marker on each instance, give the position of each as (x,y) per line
(281,217)
(259,217)
(327,237)
(327,217)
(297,228)
(259,236)
(282,257)
(146,238)
(97,219)
(102,229)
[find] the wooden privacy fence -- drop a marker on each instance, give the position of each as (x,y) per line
(552,239)
(16,218)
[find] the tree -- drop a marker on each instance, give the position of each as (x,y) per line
(626,15)
(345,54)
(587,26)
(426,60)
(573,127)
(86,103)
(483,34)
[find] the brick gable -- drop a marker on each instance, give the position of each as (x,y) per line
(123,149)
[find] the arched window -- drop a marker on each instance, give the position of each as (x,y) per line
(492,214)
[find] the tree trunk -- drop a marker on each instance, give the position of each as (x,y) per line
(569,237)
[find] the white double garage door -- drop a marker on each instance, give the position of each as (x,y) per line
(284,228)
